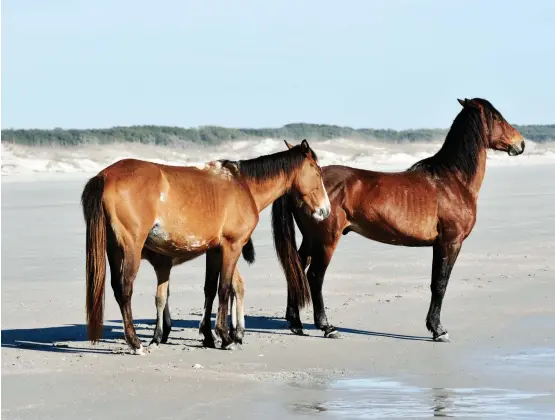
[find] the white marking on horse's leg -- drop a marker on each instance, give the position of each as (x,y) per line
(444,338)
(160,304)
(233,298)
(240,313)
(140,351)
(160,300)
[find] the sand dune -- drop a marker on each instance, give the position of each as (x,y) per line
(42,161)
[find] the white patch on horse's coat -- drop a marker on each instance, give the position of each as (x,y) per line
(158,231)
(193,242)
(325,207)
(163,197)
(216,167)
(186,242)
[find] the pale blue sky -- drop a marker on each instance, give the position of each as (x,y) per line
(366,63)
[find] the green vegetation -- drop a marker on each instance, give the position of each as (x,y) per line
(210,135)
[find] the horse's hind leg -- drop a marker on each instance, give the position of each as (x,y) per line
(162,267)
(167,321)
(131,263)
(445,255)
(237,330)
(213,266)
(230,254)
(124,263)
(292,314)
(115,260)
(321,257)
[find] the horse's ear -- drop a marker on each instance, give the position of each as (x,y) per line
(305,147)
(462,102)
(289,146)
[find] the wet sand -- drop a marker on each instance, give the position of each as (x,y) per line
(499,311)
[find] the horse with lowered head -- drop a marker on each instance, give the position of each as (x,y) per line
(432,203)
(168,215)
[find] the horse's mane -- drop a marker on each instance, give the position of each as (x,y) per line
(271,166)
(466,138)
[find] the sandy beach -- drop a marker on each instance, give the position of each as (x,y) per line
(499,310)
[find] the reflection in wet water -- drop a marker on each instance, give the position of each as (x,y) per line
(381,398)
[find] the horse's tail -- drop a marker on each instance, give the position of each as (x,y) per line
(248,252)
(95,219)
(283,228)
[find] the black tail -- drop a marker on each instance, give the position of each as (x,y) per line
(283,227)
(248,252)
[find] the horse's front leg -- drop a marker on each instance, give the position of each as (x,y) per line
(445,255)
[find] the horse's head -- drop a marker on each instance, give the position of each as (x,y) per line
(500,134)
(308,186)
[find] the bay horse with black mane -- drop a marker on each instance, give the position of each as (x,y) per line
(433,203)
(168,215)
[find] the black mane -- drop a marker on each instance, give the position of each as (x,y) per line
(271,166)
(466,138)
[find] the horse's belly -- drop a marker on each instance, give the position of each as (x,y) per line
(175,238)
(398,231)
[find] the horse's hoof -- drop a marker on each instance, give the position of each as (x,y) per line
(443,338)
(140,351)
(332,334)
(153,346)
(237,335)
(297,331)
(230,346)
(209,343)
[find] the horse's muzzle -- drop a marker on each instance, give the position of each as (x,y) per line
(321,213)
(516,150)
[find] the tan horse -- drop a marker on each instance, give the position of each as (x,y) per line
(168,215)
(433,203)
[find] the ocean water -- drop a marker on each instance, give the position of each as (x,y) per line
(384,398)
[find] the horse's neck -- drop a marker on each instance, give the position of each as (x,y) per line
(265,192)
(476,182)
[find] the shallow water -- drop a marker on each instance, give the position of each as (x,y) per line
(519,391)
(380,398)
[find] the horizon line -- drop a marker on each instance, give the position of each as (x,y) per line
(248,128)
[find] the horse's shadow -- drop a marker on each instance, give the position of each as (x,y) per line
(60,339)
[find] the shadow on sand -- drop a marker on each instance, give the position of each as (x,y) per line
(60,339)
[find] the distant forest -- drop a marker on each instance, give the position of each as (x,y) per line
(211,135)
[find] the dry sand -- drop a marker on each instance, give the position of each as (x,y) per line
(499,310)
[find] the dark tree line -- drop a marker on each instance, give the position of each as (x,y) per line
(211,135)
